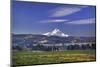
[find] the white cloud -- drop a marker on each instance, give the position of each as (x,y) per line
(64,11)
(83,21)
(53,21)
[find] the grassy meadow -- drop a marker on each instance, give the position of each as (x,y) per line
(20,58)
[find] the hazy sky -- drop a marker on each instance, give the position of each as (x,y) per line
(40,18)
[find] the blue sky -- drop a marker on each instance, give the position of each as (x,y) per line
(40,18)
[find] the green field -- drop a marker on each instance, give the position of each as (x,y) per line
(47,57)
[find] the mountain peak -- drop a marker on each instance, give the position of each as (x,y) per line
(56,32)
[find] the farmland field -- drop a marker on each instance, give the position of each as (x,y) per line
(20,58)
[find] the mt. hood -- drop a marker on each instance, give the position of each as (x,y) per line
(56,32)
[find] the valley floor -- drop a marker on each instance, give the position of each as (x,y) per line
(21,58)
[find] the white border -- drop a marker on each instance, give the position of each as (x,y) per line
(5,33)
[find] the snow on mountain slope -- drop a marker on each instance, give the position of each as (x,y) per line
(56,32)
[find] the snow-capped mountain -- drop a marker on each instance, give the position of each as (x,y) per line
(56,32)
